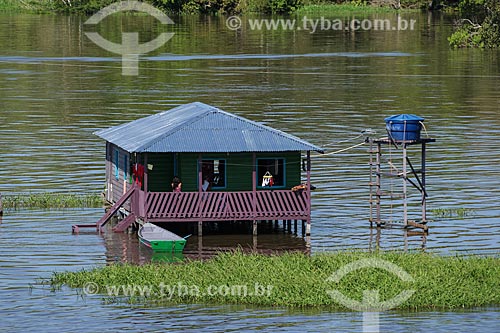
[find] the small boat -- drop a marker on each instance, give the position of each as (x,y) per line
(159,239)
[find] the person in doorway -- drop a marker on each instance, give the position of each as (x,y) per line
(176,184)
(207,184)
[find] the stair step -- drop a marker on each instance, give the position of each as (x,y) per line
(125,223)
(103,220)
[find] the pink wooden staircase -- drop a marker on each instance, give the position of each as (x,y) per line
(103,220)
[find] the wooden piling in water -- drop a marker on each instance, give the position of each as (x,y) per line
(1,206)
(200,228)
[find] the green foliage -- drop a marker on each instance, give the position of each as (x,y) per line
(212,6)
(480,24)
(284,6)
(342,9)
(7,5)
(27,5)
(169,6)
(52,200)
(298,280)
(452,212)
(80,6)
(475,10)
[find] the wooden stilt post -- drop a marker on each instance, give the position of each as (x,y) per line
(289,226)
(284,226)
(303,228)
(295,227)
(405,195)
(308,242)
(200,228)
(371,184)
(200,247)
(146,171)
(1,207)
(200,195)
(377,238)
(424,191)
(378,186)
(254,195)
(308,189)
(405,237)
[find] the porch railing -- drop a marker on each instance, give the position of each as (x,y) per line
(213,206)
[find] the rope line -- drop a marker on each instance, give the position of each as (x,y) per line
(342,150)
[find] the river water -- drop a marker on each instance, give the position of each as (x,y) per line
(57,87)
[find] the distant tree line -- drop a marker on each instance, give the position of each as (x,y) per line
(215,6)
(479,25)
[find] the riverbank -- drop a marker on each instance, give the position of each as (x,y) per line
(296,280)
(220,6)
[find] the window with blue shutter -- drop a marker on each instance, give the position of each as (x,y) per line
(125,167)
(117,169)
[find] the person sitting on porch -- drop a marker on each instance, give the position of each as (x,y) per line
(207,184)
(176,184)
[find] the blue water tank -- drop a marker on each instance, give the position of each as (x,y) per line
(404,127)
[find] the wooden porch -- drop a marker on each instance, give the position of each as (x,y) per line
(222,206)
(202,207)
(213,206)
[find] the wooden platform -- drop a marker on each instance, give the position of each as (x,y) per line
(407,142)
(224,206)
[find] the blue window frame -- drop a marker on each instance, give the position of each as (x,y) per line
(117,169)
(276,167)
(213,170)
(125,167)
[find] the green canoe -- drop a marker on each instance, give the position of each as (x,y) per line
(159,239)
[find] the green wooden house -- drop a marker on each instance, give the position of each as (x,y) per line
(231,168)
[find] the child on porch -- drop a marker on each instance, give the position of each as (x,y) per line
(176,184)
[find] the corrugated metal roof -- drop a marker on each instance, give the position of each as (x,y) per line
(198,127)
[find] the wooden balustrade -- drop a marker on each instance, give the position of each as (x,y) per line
(220,206)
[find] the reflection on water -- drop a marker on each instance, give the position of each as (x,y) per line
(124,247)
(36,243)
(412,239)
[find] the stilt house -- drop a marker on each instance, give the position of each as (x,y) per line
(230,168)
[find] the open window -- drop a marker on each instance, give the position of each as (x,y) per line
(213,174)
(270,172)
